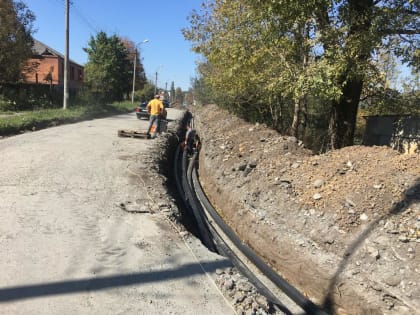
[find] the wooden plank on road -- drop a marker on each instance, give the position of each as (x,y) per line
(132,134)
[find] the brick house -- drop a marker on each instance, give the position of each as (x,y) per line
(47,67)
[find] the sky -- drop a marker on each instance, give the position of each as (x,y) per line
(158,21)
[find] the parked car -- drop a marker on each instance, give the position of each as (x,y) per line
(141,111)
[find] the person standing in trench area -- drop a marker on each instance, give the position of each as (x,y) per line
(155,109)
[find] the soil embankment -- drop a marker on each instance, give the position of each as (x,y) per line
(344,226)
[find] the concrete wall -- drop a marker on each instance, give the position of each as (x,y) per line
(399,132)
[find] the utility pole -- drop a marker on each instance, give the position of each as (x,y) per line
(156,81)
(134,75)
(135,66)
(66,57)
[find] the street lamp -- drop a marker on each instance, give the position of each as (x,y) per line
(135,65)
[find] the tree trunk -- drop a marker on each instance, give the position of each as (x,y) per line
(344,113)
(295,123)
(304,111)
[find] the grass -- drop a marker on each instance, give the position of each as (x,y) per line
(34,120)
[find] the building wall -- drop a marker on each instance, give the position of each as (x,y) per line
(50,70)
(399,132)
(45,72)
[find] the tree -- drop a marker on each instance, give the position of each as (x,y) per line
(255,64)
(15,39)
(147,92)
(172,92)
(108,71)
(348,34)
(134,52)
(179,95)
(266,57)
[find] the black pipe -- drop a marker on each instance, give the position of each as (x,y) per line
(307,305)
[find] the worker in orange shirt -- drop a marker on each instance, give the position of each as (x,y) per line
(155,109)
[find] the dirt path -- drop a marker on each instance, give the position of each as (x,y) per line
(67,245)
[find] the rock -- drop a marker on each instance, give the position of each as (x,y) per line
(228,285)
(329,239)
(247,170)
(373,252)
(317,196)
(318,183)
(242,167)
(364,217)
(262,301)
(376,286)
(185,234)
(403,239)
(244,286)
(252,164)
(292,139)
(349,203)
(392,279)
(389,226)
(238,297)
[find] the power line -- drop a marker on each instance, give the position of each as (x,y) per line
(87,20)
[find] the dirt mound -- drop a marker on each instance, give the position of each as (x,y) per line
(343,226)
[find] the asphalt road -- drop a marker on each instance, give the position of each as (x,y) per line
(68,248)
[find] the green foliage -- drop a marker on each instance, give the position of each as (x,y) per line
(268,60)
(20,96)
(146,93)
(201,91)
(108,70)
(179,95)
(393,102)
(172,92)
(15,39)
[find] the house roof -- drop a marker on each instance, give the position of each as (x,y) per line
(40,48)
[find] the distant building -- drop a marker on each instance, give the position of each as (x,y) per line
(400,132)
(47,67)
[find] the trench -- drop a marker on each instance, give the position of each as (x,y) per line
(166,168)
(190,219)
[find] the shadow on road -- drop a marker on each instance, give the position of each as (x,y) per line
(103,283)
